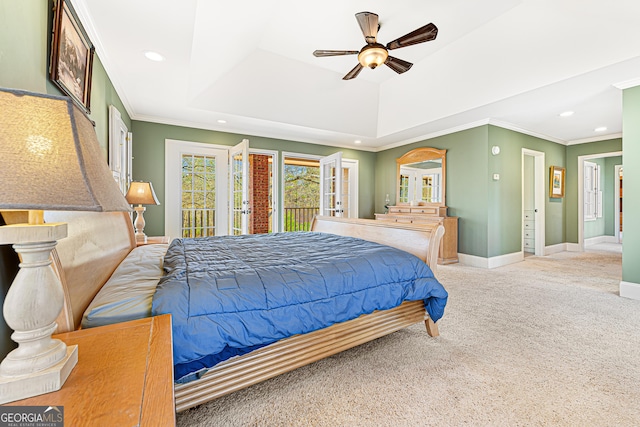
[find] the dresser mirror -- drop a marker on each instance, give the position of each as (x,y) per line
(421,175)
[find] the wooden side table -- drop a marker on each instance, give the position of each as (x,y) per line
(155,240)
(124,376)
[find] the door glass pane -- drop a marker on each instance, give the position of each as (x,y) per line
(301,193)
(236,197)
(329,196)
(198,195)
(345,193)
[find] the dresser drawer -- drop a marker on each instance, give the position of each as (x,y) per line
(529,225)
(528,234)
(398,209)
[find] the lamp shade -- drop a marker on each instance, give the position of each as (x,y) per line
(373,55)
(141,193)
(50,158)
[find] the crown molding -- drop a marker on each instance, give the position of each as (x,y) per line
(595,139)
(627,84)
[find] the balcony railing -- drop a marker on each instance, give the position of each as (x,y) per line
(299,219)
(201,222)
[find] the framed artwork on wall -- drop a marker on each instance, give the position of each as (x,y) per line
(556,182)
(71,55)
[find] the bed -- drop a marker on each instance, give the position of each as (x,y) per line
(101,243)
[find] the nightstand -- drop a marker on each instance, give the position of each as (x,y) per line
(124,376)
(151,240)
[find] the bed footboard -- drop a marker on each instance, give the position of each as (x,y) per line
(292,353)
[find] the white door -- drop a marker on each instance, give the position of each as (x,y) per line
(196,185)
(120,150)
(331,189)
(239,208)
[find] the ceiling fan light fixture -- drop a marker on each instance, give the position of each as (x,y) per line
(373,55)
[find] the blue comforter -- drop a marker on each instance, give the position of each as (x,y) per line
(230,295)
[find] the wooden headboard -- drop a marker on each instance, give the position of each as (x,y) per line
(96,244)
(421,240)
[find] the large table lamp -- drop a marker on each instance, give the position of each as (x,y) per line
(50,159)
(141,193)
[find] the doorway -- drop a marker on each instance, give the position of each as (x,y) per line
(582,200)
(533,202)
(618,203)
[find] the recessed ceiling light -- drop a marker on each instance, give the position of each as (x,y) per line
(222,121)
(566,114)
(600,129)
(357,141)
(153,56)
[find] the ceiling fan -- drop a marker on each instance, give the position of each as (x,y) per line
(373,53)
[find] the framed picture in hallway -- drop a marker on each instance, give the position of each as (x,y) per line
(556,182)
(71,55)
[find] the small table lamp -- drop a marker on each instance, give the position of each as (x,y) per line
(141,193)
(50,159)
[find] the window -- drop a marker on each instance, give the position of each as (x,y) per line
(592,193)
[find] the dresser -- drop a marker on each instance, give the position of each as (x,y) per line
(429,214)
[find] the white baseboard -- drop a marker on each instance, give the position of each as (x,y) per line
(630,290)
(493,262)
(573,247)
(554,249)
(599,239)
(473,261)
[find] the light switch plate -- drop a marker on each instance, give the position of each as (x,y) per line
(496,176)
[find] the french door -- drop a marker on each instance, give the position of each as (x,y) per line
(239,208)
(331,185)
(196,196)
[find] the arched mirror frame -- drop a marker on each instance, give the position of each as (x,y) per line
(418,155)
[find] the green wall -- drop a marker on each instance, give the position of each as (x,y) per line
(25,37)
(505,207)
(149,162)
(631,185)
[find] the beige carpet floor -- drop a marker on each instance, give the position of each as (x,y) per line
(544,342)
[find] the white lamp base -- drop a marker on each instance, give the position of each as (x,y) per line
(39,364)
(139,224)
(33,384)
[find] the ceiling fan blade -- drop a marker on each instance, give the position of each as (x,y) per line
(334,52)
(353,73)
(369,25)
(421,35)
(398,65)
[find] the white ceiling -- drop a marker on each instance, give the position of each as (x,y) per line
(513,63)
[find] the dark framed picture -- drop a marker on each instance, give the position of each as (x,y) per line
(71,55)
(556,182)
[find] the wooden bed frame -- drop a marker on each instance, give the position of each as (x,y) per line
(98,242)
